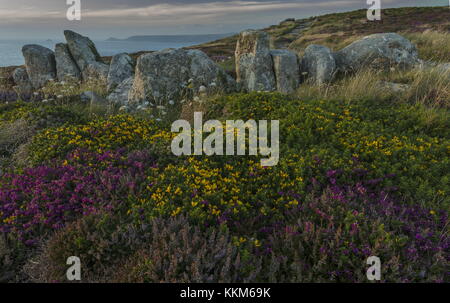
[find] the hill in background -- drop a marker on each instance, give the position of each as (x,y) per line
(340,29)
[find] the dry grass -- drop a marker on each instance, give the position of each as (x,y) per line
(6,79)
(429,86)
(361,86)
(432,45)
(13,135)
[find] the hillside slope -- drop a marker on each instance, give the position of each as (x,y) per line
(339,29)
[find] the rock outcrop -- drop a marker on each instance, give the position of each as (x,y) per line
(174,74)
(86,56)
(40,64)
(285,64)
(96,71)
(318,64)
(380,51)
(163,76)
(23,83)
(119,95)
(254,66)
(120,69)
(66,68)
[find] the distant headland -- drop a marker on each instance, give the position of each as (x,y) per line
(174,38)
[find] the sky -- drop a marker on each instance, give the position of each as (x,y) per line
(101,19)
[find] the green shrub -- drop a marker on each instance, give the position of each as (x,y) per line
(122,131)
(38,115)
(179,253)
(99,240)
(383,137)
(161,251)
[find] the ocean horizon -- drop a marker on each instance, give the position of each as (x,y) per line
(11,50)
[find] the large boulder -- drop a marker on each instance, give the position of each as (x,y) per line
(40,64)
(205,72)
(119,95)
(66,68)
(254,66)
(96,71)
(380,51)
(120,69)
(23,83)
(86,56)
(285,64)
(169,74)
(318,64)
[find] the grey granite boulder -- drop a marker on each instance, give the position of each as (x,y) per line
(254,65)
(86,56)
(205,72)
(23,83)
(379,51)
(120,93)
(168,74)
(96,71)
(66,68)
(286,69)
(120,69)
(40,64)
(318,64)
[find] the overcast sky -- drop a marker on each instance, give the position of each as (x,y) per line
(46,19)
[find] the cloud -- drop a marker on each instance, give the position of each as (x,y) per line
(20,10)
(30,18)
(177,10)
(27,13)
(215,8)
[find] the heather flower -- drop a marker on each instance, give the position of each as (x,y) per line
(46,198)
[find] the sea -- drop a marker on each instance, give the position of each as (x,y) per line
(11,50)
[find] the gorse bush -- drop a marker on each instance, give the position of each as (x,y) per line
(381,138)
(123,131)
(40,116)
